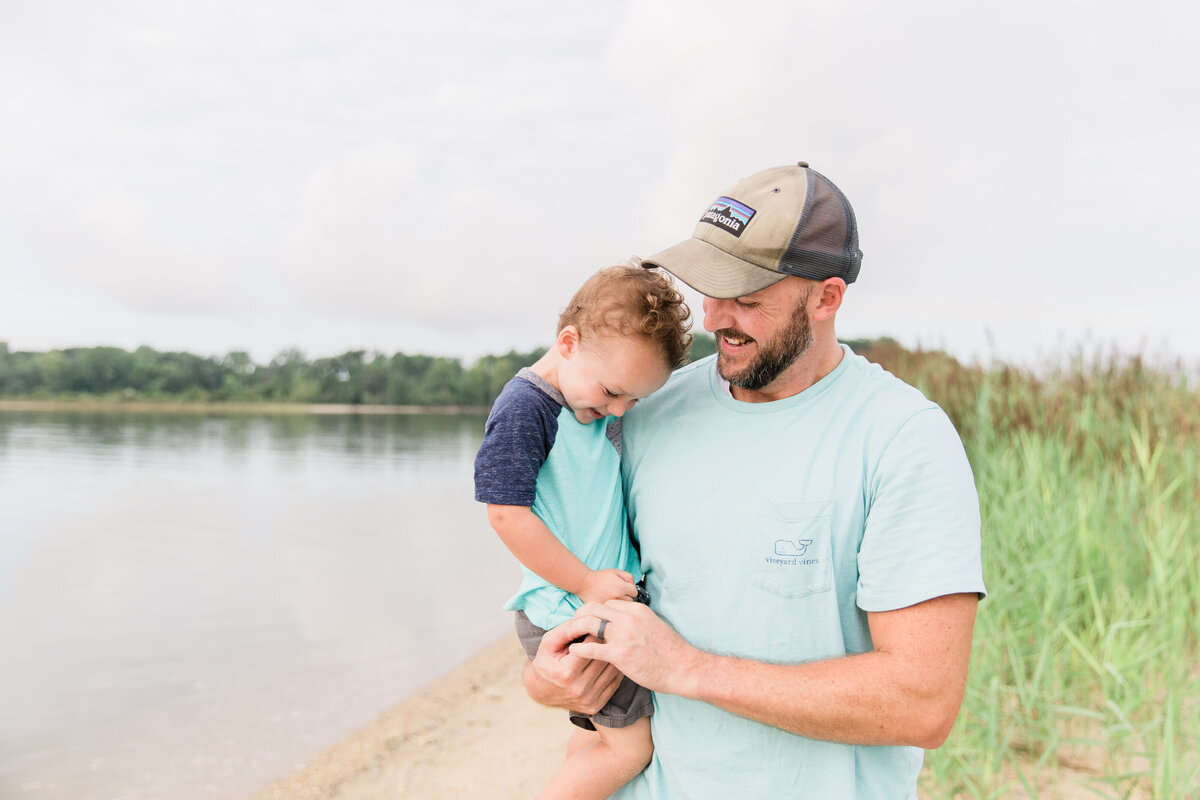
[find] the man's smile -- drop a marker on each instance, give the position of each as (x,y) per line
(734,340)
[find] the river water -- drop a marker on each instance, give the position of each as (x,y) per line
(193,605)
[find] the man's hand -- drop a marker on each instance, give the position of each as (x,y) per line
(602,585)
(638,643)
(556,677)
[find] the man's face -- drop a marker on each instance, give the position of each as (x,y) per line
(760,335)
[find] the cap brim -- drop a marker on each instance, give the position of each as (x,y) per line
(711,271)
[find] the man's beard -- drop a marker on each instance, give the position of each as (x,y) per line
(774,356)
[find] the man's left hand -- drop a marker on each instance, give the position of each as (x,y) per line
(638,643)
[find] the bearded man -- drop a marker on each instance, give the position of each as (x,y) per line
(808,527)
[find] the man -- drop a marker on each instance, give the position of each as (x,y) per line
(808,527)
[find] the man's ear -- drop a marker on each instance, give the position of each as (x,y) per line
(567,341)
(829,295)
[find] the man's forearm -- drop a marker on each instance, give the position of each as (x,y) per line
(906,691)
(857,700)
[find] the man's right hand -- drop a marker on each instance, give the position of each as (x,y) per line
(556,678)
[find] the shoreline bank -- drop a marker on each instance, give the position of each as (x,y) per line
(471,733)
(182,407)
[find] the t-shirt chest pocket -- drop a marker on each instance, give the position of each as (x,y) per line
(790,549)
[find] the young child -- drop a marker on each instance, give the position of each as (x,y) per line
(549,471)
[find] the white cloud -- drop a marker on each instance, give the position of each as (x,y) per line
(440,178)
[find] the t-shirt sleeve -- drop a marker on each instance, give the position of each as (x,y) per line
(921,538)
(613,432)
(516,441)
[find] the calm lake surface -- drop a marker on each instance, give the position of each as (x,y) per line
(192,606)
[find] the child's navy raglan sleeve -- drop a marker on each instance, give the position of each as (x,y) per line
(516,441)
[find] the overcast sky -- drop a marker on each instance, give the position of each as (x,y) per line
(438,178)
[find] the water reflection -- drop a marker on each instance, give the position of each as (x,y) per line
(367,434)
(203,601)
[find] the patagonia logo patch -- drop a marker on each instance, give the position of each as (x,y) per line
(729,215)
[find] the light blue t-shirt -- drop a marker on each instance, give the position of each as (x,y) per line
(767,531)
(536,453)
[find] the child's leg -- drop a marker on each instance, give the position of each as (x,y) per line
(595,770)
(580,739)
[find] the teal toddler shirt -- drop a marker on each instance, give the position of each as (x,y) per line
(535,453)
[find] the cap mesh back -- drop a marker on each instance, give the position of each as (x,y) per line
(825,244)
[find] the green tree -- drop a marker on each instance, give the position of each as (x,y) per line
(282,373)
(703,344)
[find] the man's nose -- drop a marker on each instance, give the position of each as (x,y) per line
(716,314)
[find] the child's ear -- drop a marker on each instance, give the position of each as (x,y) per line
(568,341)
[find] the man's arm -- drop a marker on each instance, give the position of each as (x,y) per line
(535,546)
(907,691)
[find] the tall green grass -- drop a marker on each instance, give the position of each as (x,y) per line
(1085,669)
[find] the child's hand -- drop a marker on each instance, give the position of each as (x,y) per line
(602,585)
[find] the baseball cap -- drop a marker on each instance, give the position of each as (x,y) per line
(782,221)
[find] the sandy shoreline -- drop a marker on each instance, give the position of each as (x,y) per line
(472,733)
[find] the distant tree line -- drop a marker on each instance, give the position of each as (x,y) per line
(355,377)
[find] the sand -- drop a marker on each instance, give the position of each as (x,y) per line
(473,733)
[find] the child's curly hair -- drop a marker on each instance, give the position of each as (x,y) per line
(633,301)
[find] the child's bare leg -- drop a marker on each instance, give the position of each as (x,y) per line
(580,739)
(595,770)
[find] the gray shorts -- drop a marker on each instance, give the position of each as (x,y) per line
(630,703)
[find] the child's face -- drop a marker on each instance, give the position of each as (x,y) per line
(605,374)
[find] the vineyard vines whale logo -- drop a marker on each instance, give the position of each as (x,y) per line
(729,215)
(786,547)
(790,553)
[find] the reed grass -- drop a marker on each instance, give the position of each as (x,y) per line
(1085,678)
